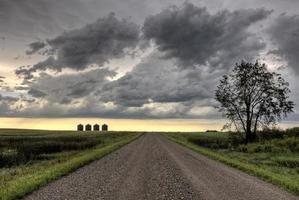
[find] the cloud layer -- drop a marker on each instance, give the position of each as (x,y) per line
(161,81)
(194,36)
(189,47)
(97,43)
(284,32)
(66,88)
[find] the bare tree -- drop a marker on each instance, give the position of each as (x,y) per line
(251,97)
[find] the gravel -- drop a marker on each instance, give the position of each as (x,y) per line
(154,168)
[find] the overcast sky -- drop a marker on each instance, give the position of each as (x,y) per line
(137,59)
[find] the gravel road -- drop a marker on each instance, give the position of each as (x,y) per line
(154,168)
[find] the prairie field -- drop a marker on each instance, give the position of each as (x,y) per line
(31,158)
(274,157)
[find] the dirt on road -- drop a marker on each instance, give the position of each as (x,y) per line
(154,168)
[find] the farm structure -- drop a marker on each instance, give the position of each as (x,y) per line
(87,127)
(80,127)
(95,127)
(104,127)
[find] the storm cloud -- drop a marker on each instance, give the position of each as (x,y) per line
(97,43)
(35,47)
(65,88)
(194,36)
(161,81)
(284,32)
(75,69)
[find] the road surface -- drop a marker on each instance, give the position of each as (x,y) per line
(152,168)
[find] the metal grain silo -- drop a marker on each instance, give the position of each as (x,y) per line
(96,127)
(87,127)
(80,127)
(104,127)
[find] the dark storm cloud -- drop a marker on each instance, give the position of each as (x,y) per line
(173,92)
(157,87)
(158,80)
(49,63)
(68,87)
(95,43)
(195,36)
(35,47)
(25,72)
(155,80)
(284,32)
(44,18)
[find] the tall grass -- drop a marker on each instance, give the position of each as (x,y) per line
(39,157)
(19,149)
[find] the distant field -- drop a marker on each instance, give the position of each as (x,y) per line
(275,160)
(31,158)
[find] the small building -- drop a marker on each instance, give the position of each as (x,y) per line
(96,127)
(104,127)
(87,127)
(80,127)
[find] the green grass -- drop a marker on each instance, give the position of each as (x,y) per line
(273,160)
(69,151)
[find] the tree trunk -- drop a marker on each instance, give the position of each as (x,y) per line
(253,136)
(250,136)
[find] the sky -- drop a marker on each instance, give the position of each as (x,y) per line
(136,65)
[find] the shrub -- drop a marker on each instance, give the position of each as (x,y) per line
(292,132)
(210,142)
(291,143)
(8,157)
(287,162)
(257,148)
(270,133)
(236,138)
(242,148)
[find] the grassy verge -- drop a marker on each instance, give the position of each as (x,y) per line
(282,176)
(21,179)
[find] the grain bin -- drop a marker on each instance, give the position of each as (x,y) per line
(88,127)
(96,127)
(104,127)
(80,127)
